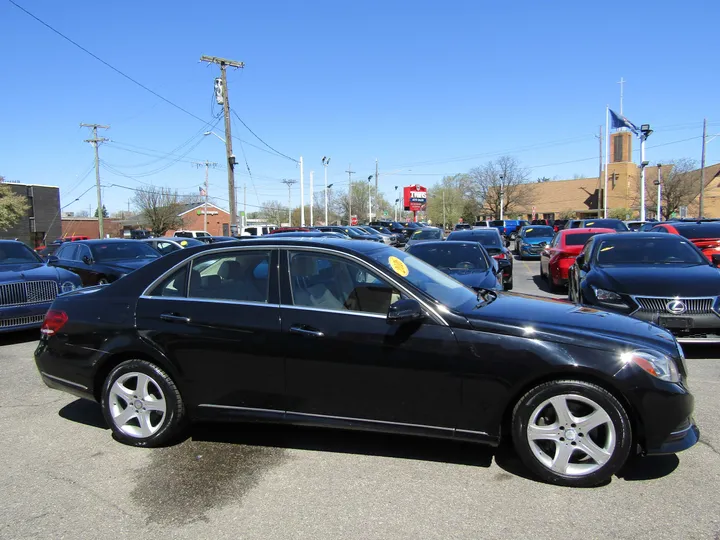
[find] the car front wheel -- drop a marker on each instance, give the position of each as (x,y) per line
(571,433)
(142,405)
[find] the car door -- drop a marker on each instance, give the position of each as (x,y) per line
(216,317)
(346,362)
(66,257)
(84,265)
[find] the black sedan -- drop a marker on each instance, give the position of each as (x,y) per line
(168,244)
(98,262)
(360,335)
(659,278)
(467,262)
(492,241)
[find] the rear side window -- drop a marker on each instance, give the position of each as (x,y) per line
(497,223)
(174,285)
(704,230)
(183,234)
(578,239)
(242,276)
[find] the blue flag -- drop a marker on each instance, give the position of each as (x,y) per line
(619,121)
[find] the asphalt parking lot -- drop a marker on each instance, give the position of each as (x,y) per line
(63,476)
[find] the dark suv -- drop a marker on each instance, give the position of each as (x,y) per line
(394,227)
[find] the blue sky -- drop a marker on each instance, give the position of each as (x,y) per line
(416,85)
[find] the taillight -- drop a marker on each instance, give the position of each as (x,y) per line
(499,256)
(54,321)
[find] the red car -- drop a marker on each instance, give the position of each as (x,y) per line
(559,255)
(705,235)
(289,229)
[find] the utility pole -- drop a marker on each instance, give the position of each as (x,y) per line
(243,222)
(326,162)
(95,141)
(289,184)
(312,196)
(302,193)
(350,173)
(224,63)
(377,199)
(702,171)
(207,165)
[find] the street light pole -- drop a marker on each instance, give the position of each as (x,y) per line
(645,132)
(502,197)
(326,162)
(659,185)
(312,197)
(396,202)
(369,199)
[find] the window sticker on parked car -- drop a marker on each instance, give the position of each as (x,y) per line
(398,266)
(528,230)
(590,224)
(183,243)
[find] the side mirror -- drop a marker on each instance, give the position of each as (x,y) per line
(580,260)
(404,311)
(87,260)
(716,259)
(52,260)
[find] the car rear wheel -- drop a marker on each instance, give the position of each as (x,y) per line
(508,285)
(142,405)
(571,433)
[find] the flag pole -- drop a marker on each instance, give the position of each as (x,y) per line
(607,146)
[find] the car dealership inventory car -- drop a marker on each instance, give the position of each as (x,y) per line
(348,334)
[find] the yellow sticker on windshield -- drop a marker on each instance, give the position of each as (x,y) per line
(607,248)
(399,266)
(528,230)
(183,243)
(590,224)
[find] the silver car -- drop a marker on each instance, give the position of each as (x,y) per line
(427,234)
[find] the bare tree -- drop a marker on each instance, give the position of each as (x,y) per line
(273,212)
(502,180)
(338,202)
(680,186)
(447,199)
(12,206)
(159,207)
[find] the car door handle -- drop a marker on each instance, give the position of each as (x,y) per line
(171,317)
(306,331)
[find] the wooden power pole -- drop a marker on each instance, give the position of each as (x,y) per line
(224,63)
(702,171)
(95,141)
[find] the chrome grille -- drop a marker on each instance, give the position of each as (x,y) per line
(693,306)
(21,321)
(27,292)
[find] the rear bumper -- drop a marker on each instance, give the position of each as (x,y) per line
(22,317)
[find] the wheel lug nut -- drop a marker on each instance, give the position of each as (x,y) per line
(562,438)
(572,425)
(573,443)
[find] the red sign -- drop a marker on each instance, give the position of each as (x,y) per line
(353,220)
(415,198)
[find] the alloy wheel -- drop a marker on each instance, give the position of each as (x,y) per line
(137,404)
(571,435)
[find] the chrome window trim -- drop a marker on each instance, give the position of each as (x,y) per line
(382,271)
(337,311)
(60,379)
(212,300)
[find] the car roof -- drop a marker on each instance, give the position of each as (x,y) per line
(320,242)
(647,235)
(580,230)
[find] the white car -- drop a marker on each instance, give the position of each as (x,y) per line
(257,230)
(191,234)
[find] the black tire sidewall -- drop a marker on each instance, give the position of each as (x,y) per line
(174,414)
(623,432)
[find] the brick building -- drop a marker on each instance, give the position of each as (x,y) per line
(42,217)
(88,226)
(193,219)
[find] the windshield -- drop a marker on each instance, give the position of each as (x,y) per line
(537,232)
(665,250)
(486,237)
(694,232)
(17,253)
(428,234)
(605,224)
(452,255)
(361,231)
(452,294)
(116,251)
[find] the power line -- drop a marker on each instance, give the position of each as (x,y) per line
(259,139)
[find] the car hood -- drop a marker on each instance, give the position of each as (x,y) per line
(660,280)
(127,265)
(560,321)
(476,279)
(27,272)
(537,240)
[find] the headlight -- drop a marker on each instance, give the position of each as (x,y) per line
(606,296)
(67,286)
(655,363)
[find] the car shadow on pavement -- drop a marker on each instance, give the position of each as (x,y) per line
(346,442)
(15,338)
(84,411)
(649,467)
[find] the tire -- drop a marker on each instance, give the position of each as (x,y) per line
(553,287)
(144,425)
(509,285)
(542,274)
(561,454)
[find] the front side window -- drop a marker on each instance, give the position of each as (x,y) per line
(119,251)
(242,276)
(333,283)
(172,286)
(67,252)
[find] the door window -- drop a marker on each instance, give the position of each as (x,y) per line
(333,283)
(173,285)
(242,276)
(82,251)
(68,251)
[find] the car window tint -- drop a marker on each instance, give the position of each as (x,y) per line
(82,252)
(166,247)
(240,275)
(174,285)
(333,283)
(555,241)
(578,239)
(68,252)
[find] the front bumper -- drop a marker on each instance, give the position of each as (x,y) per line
(22,317)
(529,250)
(700,328)
(684,437)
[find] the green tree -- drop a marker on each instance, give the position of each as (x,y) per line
(12,206)
(105,213)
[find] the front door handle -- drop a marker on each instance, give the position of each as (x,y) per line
(171,317)
(306,331)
